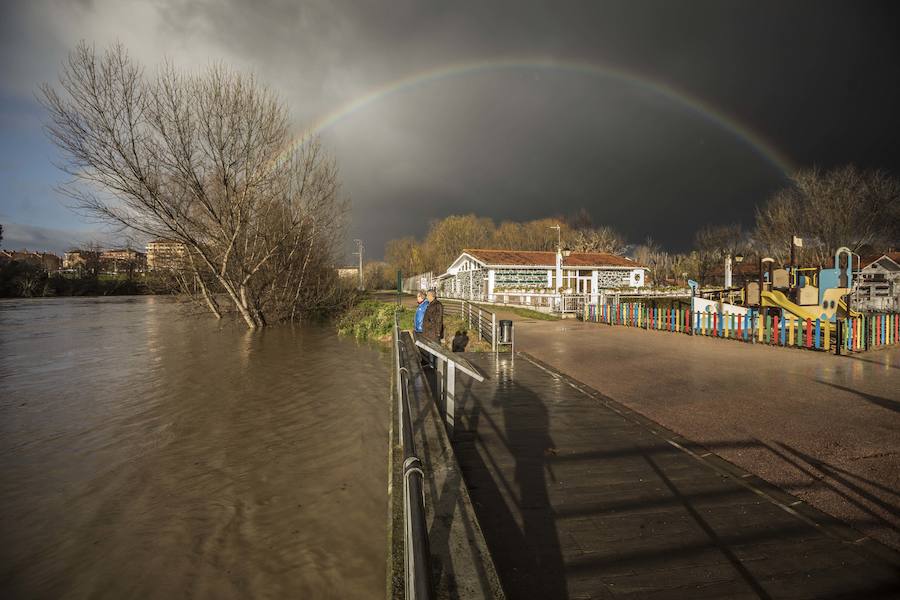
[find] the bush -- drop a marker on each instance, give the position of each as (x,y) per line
(19,279)
(371,319)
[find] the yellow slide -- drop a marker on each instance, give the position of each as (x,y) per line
(779,300)
(845,310)
(834,301)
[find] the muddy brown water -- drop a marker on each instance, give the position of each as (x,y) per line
(148,454)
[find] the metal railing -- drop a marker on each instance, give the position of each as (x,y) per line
(482,321)
(417,556)
(570,303)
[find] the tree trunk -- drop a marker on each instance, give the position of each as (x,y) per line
(210,301)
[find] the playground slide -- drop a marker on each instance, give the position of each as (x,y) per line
(779,300)
(842,306)
(834,297)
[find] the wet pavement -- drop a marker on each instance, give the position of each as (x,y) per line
(580,497)
(824,428)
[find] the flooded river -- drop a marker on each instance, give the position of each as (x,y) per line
(148,454)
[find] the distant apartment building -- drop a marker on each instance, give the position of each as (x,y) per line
(79,259)
(165,255)
(123,260)
(45,260)
(351,272)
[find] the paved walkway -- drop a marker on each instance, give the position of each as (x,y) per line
(579,498)
(825,428)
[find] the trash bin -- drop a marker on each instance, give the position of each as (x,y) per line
(505,331)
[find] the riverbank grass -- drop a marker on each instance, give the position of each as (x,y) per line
(373,319)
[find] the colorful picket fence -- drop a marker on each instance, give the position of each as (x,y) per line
(871,331)
(639,315)
(856,334)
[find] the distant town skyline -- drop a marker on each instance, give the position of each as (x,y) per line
(655,117)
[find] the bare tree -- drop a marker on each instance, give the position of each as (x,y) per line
(405,254)
(449,236)
(581,220)
(600,239)
(196,159)
(713,243)
(842,207)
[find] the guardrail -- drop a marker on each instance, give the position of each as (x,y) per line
(480,320)
(416,551)
(446,366)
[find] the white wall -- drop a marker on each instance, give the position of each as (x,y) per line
(637,278)
(703,305)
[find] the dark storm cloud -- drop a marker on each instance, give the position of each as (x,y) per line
(817,79)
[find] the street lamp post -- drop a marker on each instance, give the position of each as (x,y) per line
(738,258)
(359,252)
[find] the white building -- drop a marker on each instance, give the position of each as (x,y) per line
(547,280)
(878,284)
(166,255)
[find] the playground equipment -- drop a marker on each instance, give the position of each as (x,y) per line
(793,306)
(805,293)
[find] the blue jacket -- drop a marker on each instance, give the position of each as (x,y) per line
(420,315)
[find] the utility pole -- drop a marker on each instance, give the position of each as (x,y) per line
(359,252)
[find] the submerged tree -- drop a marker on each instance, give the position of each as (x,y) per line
(201,160)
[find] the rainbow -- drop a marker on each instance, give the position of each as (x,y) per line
(759,144)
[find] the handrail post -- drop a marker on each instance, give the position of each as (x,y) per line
(441,368)
(494,332)
(450,396)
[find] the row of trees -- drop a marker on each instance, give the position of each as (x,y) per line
(447,237)
(846,206)
(200,159)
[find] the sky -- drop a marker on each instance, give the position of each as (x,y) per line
(655,117)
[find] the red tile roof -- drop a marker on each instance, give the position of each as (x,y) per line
(529,258)
(865,261)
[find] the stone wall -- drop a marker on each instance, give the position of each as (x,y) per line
(612,279)
(468,285)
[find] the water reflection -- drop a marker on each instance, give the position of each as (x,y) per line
(150,455)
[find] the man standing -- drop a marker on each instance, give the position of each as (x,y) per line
(420,311)
(433,323)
